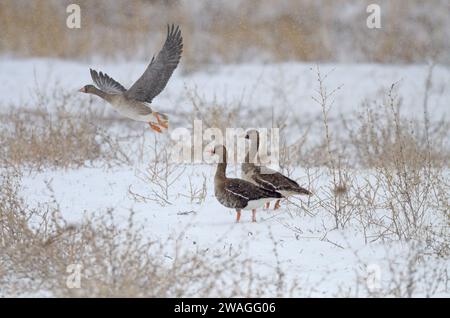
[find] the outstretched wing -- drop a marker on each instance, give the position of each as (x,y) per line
(106,83)
(157,74)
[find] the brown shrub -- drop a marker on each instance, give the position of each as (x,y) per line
(412,31)
(40,138)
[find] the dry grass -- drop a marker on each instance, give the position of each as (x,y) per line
(38,247)
(235,31)
(386,176)
(420,274)
(381,133)
(160,175)
(400,195)
(40,138)
(214,114)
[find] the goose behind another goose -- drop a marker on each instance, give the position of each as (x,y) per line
(237,193)
(267,178)
(134,103)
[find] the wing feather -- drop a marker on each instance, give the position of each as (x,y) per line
(249,190)
(106,83)
(160,69)
(279,182)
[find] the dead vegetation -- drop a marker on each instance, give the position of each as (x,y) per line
(384,175)
(159,175)
(41,253)
(412,31)
(420,274)
(388,177)
(400,195)
(38,137)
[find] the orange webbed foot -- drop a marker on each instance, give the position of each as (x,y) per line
(162,123)
(155,127)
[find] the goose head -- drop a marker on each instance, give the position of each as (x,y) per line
(90,89)
(221,152)
(252,134)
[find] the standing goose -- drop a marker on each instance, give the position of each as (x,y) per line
(237,193)
(135,102)
(270,179)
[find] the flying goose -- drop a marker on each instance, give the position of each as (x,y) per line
(237,193)
(135,102)
(267,178)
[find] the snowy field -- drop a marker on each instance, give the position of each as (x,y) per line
(300,241)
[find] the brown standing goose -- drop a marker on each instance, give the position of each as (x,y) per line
(135,102)
(237,193)
(267,178)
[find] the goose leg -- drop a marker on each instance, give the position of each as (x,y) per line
(254,215)
(161,122)
(277,205)
(154,127)
(267,205)
(238,215)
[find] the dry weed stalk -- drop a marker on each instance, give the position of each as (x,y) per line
(197,194)
(161,173)
(339,199)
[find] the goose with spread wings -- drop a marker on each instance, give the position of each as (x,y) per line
(135,102)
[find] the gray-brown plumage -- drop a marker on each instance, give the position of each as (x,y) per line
(237,193)
(265,177)
(135,102)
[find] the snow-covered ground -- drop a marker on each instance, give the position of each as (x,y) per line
(325,261)
(258,84)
